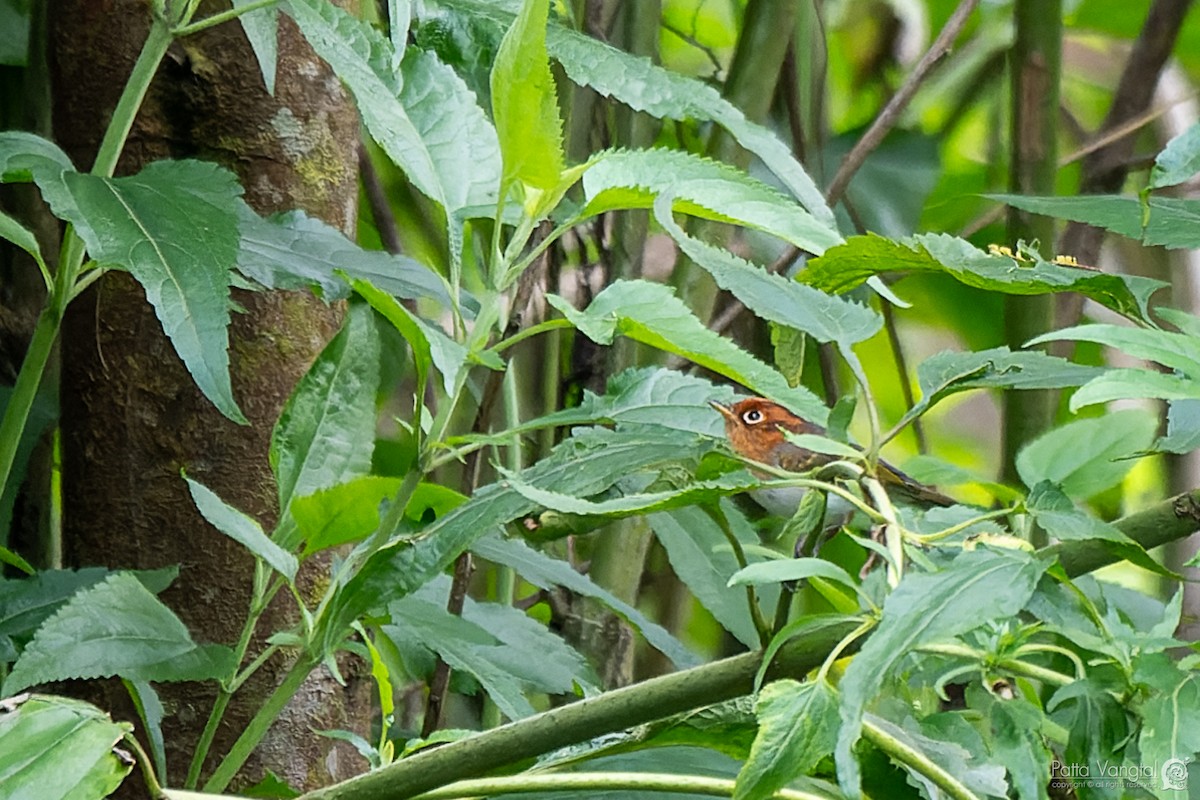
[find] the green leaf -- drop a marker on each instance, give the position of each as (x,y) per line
(1179,161)
(926,608)
(1176,350)
(341,514)
(583,465)
(651,313)
(1097,725)
(56,748)
(1087,456)
(1053,510)
(773,297)
(849,265)
(636,504)
(824,445)
(544,572)
(295,251)
(150,709)
(1017,743)
(1171,727)
(14,560)
(1183,428)
(243,529)
(791,569)
(702,188)
(1128,383)
(788,348)
(524,102)
(116,628)
(967,765)
(15,232)
(174,227)
(262,30)
(797,727)
(26,157)
(326,431)
(1117,213)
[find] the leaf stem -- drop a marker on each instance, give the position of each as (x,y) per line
(152,785)
(929,538)
(592,782)
(224,16)
(915,760)
(717,514)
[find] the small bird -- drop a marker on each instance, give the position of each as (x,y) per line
(755,426)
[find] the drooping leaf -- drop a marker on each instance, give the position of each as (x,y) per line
(924,608)
(797,727)
(56,748)
(702,188)
(326,431)
(1166,221)
(525,104)
(791,569)
(243,529)
(1017,743)
(22,237)
(116,628)
(636,504)
(544,572)
(174,227)
(1179,161)
(26,157)
(294,251)
(262,30)
(1087,456)
(849,265)
(700,556)
(584,465)
(773,297)
(651,313)
(1176,350)
(150,708)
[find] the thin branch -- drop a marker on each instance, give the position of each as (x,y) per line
(377,200)
(889,322)
(718,67)
(899,102)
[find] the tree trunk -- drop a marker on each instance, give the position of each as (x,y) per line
(132,416)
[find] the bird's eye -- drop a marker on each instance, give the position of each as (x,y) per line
(752,417)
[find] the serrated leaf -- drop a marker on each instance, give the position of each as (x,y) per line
(699,187)
(700,556)
(525,104)
(635,504)
(924,608)
(791,569)
(294,251)
(773,297)
(1176,350)
(174,227)
(262,30)
(326,431)
(544,572)
(1053,510)
(1179,161)
(243,529)
(1087,456)
(116,628)
(583,465)
(1166,221)
(849,265)
(797,727)
(56,748)
(651,313)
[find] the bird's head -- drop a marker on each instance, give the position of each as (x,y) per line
(754,427)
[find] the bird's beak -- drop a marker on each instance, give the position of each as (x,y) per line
(725,410)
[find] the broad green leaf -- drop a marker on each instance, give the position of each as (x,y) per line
(797,727)
(651,313)
(788,349)
(462,644)
(1179,161)
(702,188)
(699,554)
(1185,322)
(262,30)
(1097,725)
(544,572)
(644,395)
(326,431)
(773,297)
(341,514)
(1087,456)
(243,529)
(1053,510)
(27,157)
(525,104)
(1017,743)
(635,504)
(969,766)
(583,465)
(849,265)
(25,603)
(925,608)
(1128,383)
(791,569)
(1167,221)
(22,237)
(1170,733)
(174,227)
(56,748)
(1183,428)
(295,251)
(1176,350)
(116,628)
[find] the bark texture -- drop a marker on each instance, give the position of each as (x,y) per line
(132,416)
